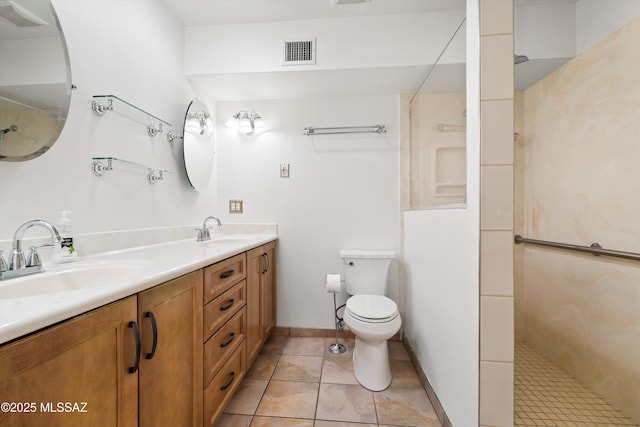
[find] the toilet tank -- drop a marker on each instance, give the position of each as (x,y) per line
(366,270)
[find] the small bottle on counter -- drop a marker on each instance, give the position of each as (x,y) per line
(66,251)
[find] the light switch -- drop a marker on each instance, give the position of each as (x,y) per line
(284,170)
(235,206)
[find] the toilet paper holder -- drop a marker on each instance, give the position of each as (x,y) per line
(337,348)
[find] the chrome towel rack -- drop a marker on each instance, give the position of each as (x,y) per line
(595,248)
(310,131)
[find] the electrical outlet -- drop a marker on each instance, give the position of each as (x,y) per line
(235,206)
(284,170)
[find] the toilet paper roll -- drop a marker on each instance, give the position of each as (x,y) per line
(333,283)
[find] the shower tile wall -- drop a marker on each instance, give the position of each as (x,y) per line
(581,186)
(496,219)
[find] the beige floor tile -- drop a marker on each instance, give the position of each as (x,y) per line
(280,422)
(409,407)
(263,366)
(233,420)
(247,397)
(404,375)
(348,343)
(289,399)
(305,346)
(275,344)
(298,368)
(338,402)
(397,351)
(338,370)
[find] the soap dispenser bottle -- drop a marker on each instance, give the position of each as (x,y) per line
(66,252)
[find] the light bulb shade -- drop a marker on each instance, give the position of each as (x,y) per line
(244,123)
(233,122)
(258,123)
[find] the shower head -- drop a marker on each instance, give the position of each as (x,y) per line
(519,59)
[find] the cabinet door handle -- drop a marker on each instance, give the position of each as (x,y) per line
(264,263)
(228,384)
(227,274)
(154,328)
(232,335)
(228,305)
(266,257)
(136,334)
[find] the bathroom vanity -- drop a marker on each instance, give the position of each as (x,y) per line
(168,346)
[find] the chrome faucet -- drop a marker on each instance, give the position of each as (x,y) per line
(203,233)
(18,265)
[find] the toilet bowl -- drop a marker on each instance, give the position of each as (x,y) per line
(373,319)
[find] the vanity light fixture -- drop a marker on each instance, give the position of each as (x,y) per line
(246,122)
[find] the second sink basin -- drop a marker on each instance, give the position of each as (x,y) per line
(73,277)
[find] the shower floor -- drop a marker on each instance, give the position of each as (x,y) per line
(545,395)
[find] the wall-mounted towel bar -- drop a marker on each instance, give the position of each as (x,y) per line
(594,249)
(379,129)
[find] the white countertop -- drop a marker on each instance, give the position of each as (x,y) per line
(151,266)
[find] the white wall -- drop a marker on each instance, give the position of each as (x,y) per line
(441,255)
(343,191)
(359,42)
(133,50)
(596,18)
(545,30)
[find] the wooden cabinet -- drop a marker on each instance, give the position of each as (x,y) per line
(172,355)
(224,333)
(269,290)
(170,379)
(135,362)
(83,361)
(261,297)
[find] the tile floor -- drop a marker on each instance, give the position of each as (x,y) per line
(545,395)
(296,382)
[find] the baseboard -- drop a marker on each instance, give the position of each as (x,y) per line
(435,402)
(284,331)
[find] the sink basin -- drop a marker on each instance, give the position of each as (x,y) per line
(228,239)
(74,277)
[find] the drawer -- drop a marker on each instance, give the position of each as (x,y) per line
(223,343)
(221,276)
(223,385)
(221,309)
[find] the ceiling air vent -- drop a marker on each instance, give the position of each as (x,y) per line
(299,52)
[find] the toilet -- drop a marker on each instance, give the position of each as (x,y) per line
(370,315)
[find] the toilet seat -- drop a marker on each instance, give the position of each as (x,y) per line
(372,308)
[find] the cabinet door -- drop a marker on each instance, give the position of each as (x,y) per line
(75,373)
(269,290)
(170,317)
(255,267)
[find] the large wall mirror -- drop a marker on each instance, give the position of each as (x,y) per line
(198,145)
(35,79)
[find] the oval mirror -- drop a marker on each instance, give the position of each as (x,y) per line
(35,79)
(198,147)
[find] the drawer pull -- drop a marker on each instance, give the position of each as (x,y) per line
(228,305)
(136,334)
(227,274)
(154,326)
(228,384)
(232,335)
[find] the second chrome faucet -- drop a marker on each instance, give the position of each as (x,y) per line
(203,233)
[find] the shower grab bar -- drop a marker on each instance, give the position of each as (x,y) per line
(594,249)
(379,129)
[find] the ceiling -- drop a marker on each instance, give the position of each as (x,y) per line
(216,12)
